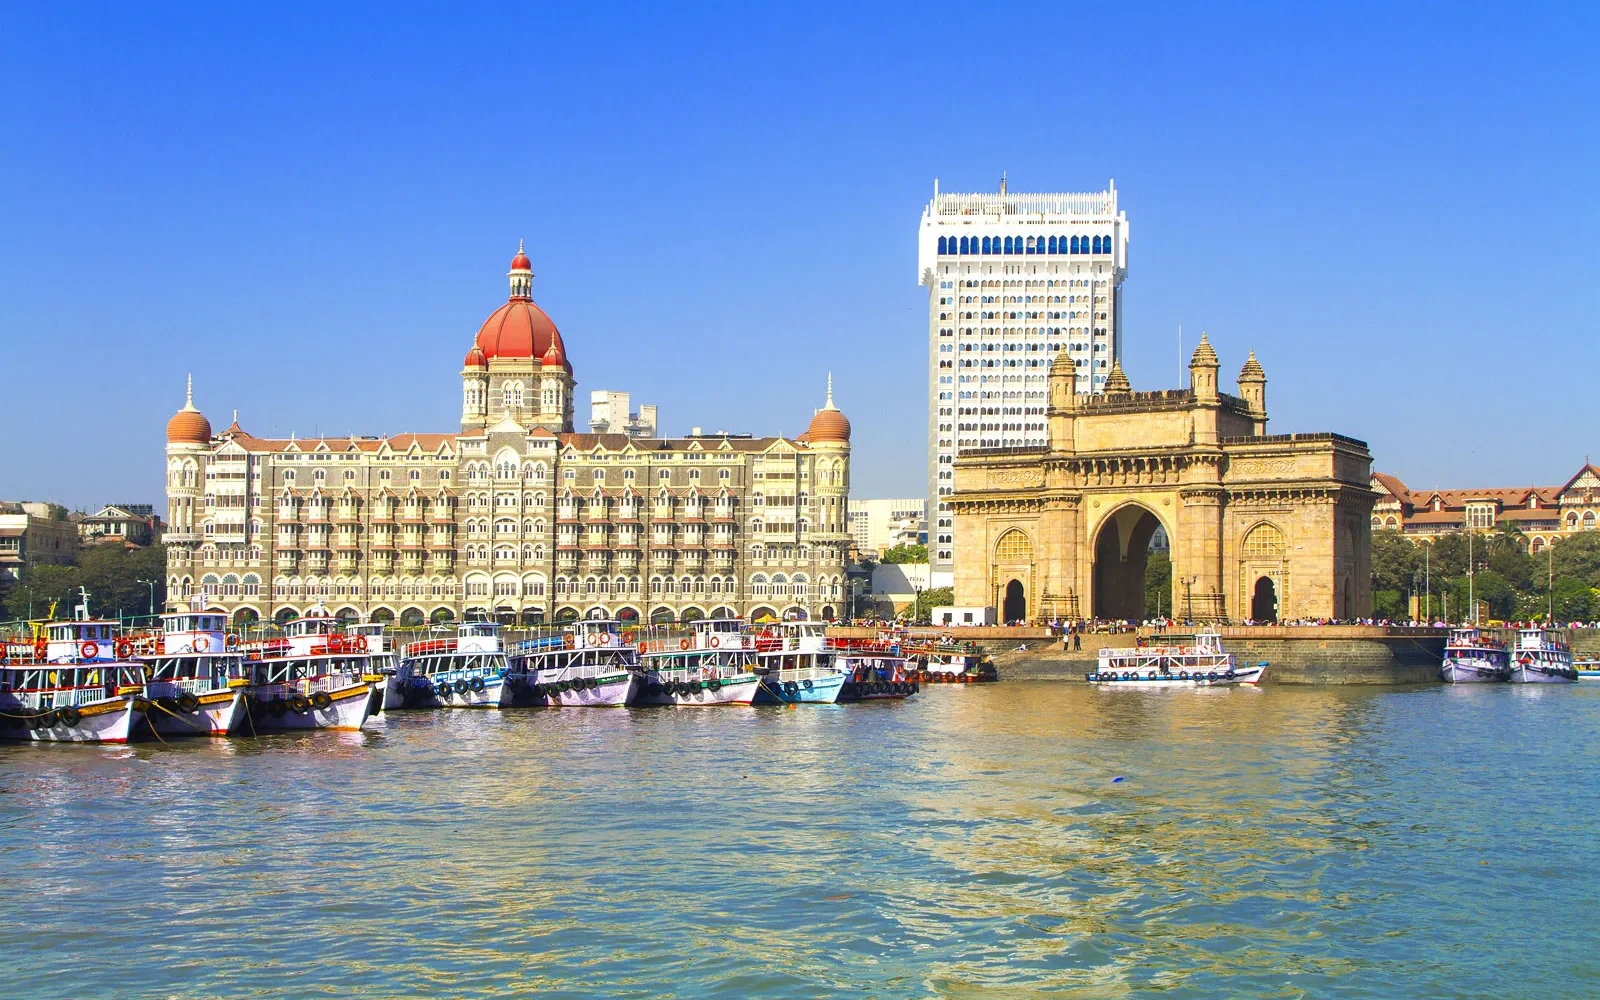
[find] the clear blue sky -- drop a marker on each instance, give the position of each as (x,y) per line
(313,212)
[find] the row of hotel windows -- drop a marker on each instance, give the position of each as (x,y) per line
(1024,245)
(250,586)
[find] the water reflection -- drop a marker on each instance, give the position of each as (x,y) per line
(1278,842)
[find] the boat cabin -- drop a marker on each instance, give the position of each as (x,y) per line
(1535,639)
(597,633)
(478,637)
(194,632)
(81,641)
(721,633)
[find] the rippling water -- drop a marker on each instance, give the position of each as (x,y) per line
(1274,843)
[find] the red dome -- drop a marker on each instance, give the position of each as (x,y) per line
(521,262)
(188,427)
(828,425)
(518,329)
(475,358)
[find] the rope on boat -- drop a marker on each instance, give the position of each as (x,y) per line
(175,715)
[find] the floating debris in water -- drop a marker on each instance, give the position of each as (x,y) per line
(842,895)
(1116,779)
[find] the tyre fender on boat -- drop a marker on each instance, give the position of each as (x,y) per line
(790,688)
(299,703)
(321,701)
(462,685)
(187,703)
(477,684)
(69,715)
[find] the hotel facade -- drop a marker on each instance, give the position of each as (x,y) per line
(1014,280)
(515,515)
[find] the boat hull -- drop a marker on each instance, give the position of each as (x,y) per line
(111,721)
(412,695)
(1472,670)
(217,715)
(740,689)
(349,706)
(854,691)
(811,691)
(1246,677)
(609,690)
(1535,674)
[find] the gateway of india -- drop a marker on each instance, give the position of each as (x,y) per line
(516,515)
(1261,527)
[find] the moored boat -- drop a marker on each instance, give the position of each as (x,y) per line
(873,669)
(1199,662)
(71,685)
(1588,670)
(195,683)
(1541,656)
(947,662)
(1472,657)
(314,677)
(712,663)
(797,665)
(585,664)
(466,669)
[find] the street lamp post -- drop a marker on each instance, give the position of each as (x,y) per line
(152,585)
(1188,597)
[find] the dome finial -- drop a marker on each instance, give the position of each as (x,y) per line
(829,404)
(188,394)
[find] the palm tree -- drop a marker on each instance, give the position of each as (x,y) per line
(1509,538)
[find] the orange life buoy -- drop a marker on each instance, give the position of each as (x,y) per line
(124,649)
(360,643)
(604,639)
(569,640)
(90,650)
(629,635)
(683,643)
(233,641)
(714,642)
(202,644)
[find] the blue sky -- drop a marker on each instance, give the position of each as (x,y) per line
(313,212)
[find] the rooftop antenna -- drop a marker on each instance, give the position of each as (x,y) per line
(1002,182)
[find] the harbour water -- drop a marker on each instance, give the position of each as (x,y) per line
(974,841)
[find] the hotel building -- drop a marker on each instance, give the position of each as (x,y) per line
(1013,280)
(515,514)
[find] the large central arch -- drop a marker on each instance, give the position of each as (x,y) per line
(1120,549)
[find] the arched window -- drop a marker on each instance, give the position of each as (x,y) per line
(1014,547)
(1051,245)
(986,244)
(1588,520)
(1538,546)
(942,244)
(1074,244)
(1008,245)
(1264,541)
(964,244)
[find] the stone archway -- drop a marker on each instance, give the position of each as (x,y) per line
(1264,601)
(1121,549)
(1014,606)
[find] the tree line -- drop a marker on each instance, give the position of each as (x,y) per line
(118,580)
(1516,585)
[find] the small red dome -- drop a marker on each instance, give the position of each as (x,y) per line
(475,358)
(828,425)
(188,426)
(556,356)
(521,262)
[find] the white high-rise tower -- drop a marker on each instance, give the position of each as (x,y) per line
(1013,280)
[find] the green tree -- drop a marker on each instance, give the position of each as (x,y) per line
(1487,586)
(1578,557)
(927,600)
(1157,584)
(1572,600)
(32,596)
(1389,604)
(1394,561)
(904,554)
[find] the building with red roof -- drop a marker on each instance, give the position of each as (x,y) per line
(513,515)
(1544,514)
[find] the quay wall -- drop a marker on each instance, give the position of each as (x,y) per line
(1296,654)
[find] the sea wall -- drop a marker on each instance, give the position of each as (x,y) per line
(1295,654)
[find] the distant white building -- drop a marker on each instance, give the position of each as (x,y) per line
(1013,280)
(609,413)
(877,525)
